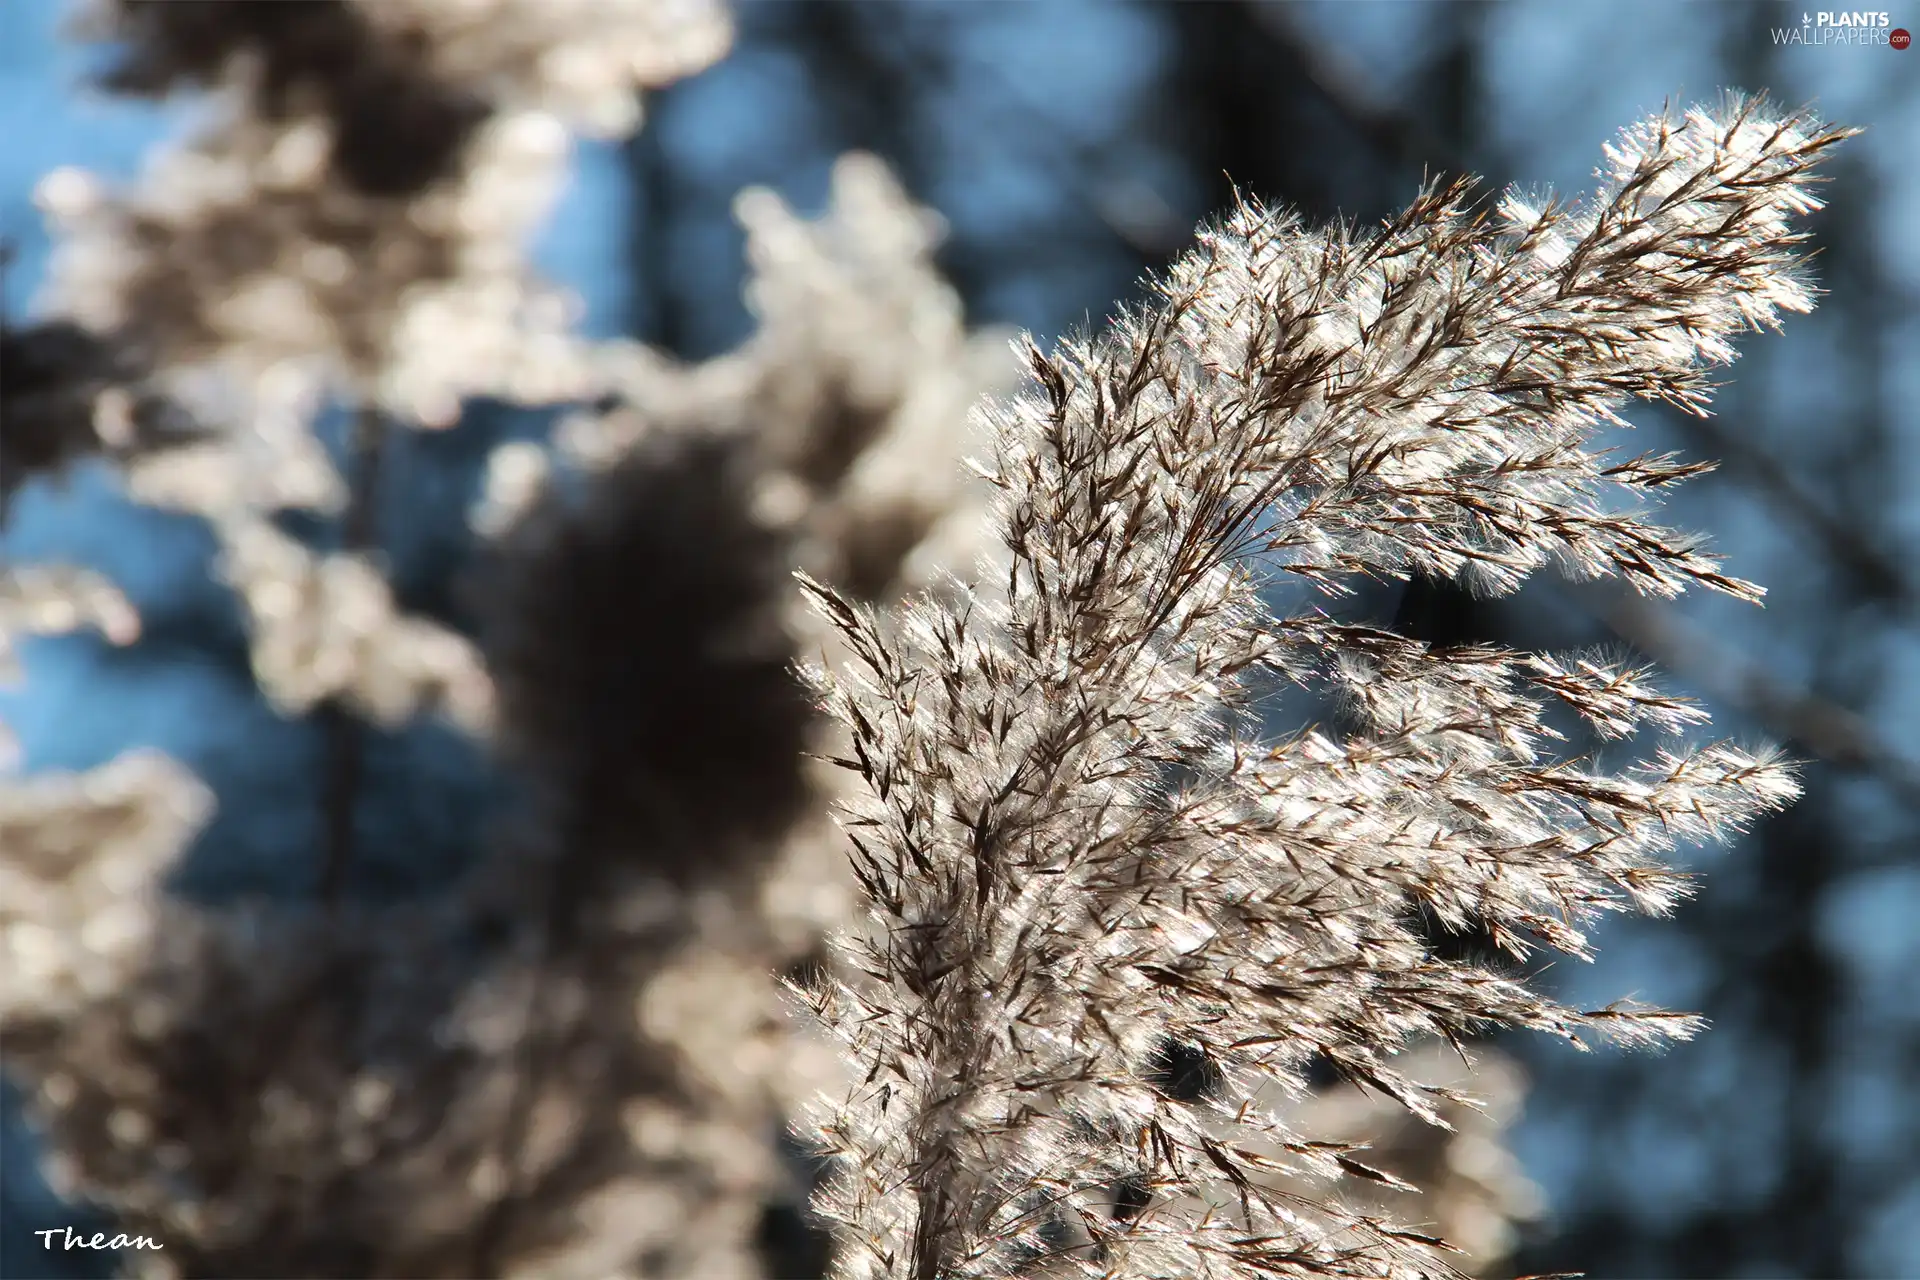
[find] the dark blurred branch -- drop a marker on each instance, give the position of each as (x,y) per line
(1125,205)
(344,735)
(658,313)
(1875,571)
(534,1056)
(1397,135)
(1831,732)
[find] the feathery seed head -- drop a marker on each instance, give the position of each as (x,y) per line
(1081,872)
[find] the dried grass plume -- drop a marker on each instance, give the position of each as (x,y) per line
(1077,856)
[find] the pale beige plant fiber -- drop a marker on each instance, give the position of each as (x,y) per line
(1074,852)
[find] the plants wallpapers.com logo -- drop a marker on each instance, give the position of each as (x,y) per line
(1845,27)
